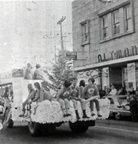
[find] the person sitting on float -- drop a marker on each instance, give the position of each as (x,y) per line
(38,73)
(74,96)
(63,97)
(83,105)
(40,95)
(29,98)
(91,94)
(28,74)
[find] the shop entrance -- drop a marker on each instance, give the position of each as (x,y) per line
(117,76)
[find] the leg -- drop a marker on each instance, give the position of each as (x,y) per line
(35,109)
(97,107)
(62,103)
(91,107)
(83,105)
(76,108)
(75,104)
(23,109)
(67,106)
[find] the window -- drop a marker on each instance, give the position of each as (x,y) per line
(128,18)
(116,22)
(85,32)
(105,26)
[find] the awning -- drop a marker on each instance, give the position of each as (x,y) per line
(107,63)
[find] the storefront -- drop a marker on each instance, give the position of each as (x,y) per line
(121,69)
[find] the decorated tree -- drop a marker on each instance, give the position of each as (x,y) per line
(61,70)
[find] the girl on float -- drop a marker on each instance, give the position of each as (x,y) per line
(63,97)
(83,105)
(74,96)
(91,94)
(40,95)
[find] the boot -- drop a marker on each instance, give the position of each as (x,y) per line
(84,114)
(64,113)
(23,114)
(68,112)
(77,115)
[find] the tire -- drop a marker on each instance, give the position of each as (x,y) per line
(117,116)
(48,129)
(34,129)
(10,124)
(78,128)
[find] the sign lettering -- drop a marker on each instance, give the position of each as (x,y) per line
(119,54)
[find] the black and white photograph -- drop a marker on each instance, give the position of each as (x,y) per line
(68,71)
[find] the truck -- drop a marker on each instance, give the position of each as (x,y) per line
(48,114)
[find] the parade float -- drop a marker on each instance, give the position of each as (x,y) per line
(48,114)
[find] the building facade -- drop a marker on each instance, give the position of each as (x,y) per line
(105,37)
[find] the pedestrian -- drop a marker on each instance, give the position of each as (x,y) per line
(83,104)
(91,95)
(133,102)
(121,91)
(7,106)
(63,97)
(113,91)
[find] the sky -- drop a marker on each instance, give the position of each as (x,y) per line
(29,32)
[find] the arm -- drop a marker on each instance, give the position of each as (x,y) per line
(84,91)
(77,97)
(37,96)
(60,92)
(96,92)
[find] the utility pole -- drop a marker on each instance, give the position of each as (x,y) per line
(61,35)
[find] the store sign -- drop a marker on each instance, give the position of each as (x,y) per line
(72,55)
(17,73)
(119,54)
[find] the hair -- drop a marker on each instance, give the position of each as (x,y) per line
(30,86)
(82,83)
(29,65)
(6,92)
(38,66)
(67,83)
(37,85)
(91,79)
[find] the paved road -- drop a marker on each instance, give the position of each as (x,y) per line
(105,132)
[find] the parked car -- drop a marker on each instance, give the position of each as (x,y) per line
(119,106)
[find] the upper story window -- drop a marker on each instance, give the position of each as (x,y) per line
(116,22)
(85,32)
(105,26)
(128,18)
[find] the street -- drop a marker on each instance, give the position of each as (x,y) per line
(105,132)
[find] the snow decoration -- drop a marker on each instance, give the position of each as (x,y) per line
(51,112)
(1,109)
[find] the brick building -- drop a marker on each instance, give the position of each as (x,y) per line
(105,37)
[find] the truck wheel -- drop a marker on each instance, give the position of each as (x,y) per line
(117,116)
(10,123)
(78,128)
(48,129)
(34,128)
